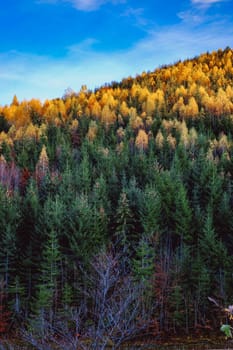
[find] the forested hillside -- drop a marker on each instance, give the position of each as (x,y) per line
(119,202)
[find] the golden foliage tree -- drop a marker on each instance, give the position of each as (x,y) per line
(141,141)
(42,166)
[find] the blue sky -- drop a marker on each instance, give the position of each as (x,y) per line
(50,45)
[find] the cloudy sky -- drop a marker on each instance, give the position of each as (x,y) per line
(48,46)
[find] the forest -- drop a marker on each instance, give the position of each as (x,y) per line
(116,209)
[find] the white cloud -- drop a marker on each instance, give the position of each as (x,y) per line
(87,5)
(205,3)
(83,5)
(137,15)
(191,17)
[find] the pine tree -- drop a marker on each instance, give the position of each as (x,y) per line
(84,173)
(30,244)
(85,229)
(151,211)
(214,253)
(143,263)
(17,293)
(123,220)
(4,313)
(143,267)
(9,221)
(47,296)
(182,214)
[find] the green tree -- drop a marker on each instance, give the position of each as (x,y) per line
(151,211)
(124,221)
(85,229)
(214,254)
(182,214)
(143,263)
(47,296)
(9,221)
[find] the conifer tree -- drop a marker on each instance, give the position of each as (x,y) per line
(151,211)
(182,214)
(214,253)
(9,221)
(84,175)
(143,266)
(123,220)
(143,263)
(42,167)
(47,296)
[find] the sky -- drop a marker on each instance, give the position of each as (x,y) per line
(48,46)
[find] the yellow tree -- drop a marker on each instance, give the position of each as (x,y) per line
(42,166)
(159,100)
(184,136)
(192,137)
(229,92)
(149,106)
(143,93)
(179,107)
(159,139)
(92,131)
(135,121)
(108,99)
(141,141)
(35,109)
(22,114)
(124,109)
(181,91)
(191,109)
(91,100)
(108,116)
(120,134)
(32,132)
(15,101)
(5,138)
(171,141)
(96,109)
(223,105)
(54,111)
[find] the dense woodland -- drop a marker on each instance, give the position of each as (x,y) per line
(116,208)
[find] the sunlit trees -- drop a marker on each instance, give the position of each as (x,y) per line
(92,131)
(108,116)
(141,141)
(42,166)
(133,178)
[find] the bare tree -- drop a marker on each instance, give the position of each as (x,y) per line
(63,334)
(116,304)
(112,316)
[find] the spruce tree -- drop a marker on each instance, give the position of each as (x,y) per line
(151,211)
(9,221)
(182,214)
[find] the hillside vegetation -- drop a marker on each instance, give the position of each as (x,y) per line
(127,190)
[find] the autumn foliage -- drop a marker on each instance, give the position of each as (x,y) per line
(140,168)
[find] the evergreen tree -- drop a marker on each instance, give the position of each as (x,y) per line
(182,214)
(84,173)
(47,296)
(85,230)
(143,263)
(214,254)
(124,219)
(9,221)
(151,212)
